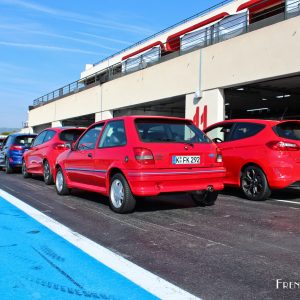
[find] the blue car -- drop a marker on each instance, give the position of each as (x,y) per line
(11,152)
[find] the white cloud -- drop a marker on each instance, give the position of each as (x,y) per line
(80,18)
(46,47)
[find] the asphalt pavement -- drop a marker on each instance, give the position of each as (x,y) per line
(236,249)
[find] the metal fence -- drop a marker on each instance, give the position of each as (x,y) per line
(226,28)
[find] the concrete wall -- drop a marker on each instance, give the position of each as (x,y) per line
(178,76)
(263,54)
(78,104)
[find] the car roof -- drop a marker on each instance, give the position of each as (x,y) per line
(22,134)
(144,117)
(257,121)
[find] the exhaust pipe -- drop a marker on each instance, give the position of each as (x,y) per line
(210,188)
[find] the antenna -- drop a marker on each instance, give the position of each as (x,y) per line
(284,112)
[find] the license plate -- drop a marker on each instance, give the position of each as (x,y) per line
(185,160)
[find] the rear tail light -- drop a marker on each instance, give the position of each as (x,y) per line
(283,146)
(60,146)
(16,147)
(144,156)
(219,157)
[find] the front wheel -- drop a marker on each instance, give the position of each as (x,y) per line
(48,177)
(204,198)
(24,170)
(121,199)
(8,168)
(254,184)
(60,183)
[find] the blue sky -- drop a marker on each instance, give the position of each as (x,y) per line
(45,44)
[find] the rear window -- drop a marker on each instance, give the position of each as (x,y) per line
(24,140)
(71,135)
(288,130)
(164,131)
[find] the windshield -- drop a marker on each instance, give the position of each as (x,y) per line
(288,130)
(169,131)
(24,140)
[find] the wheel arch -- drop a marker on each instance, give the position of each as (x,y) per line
(251,164)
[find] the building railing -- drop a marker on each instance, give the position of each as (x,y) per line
(229,27)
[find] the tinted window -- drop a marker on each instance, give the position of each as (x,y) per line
(40,138)
(50,134)
(288,130)
(245,130)
(24,140)
(70,135)
(113,135)
(220,133)
(169,131)
(89,139)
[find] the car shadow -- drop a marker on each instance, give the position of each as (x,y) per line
(143,204)
(283,194)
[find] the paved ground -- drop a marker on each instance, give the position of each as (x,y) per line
(233,250)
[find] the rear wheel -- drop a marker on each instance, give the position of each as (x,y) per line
(121,199)
(8,168)
(254,184)
(24,170)
(204,198)
(60,183)
(48,177)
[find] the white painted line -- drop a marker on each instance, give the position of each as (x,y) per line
(287,201)
(143,278)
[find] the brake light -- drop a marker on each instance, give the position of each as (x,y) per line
(60,146)
(144,156)
(16,147)
(283,146)
(219,157)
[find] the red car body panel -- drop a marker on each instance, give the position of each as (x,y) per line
(282,168)
(91,169)
(36,155)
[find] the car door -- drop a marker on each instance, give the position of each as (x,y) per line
(34,160)
(245,147)
(221,135)
(79,165)
(110,149)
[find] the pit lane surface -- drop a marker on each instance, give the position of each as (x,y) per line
(233,250)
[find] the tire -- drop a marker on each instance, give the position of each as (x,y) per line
(204,198)
(254,184)
(48,177)
(60,183)
(121,199)
(24,170)
(8,168)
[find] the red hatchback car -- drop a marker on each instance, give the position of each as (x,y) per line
(41,157)
(259,155)
(142,156)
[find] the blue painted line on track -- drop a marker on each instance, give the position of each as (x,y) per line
(36,263)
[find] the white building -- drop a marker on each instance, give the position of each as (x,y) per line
(238,59)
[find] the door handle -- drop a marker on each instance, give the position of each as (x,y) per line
(90,155)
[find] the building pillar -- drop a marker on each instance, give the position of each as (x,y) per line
(206,109)
(104,115)
(56,124)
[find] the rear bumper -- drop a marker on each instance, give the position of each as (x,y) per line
(284,176)
(155,182)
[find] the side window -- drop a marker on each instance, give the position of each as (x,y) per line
(220,133)
(39,139)
(245,130)
(89,139)
(50,134)
(113,135)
